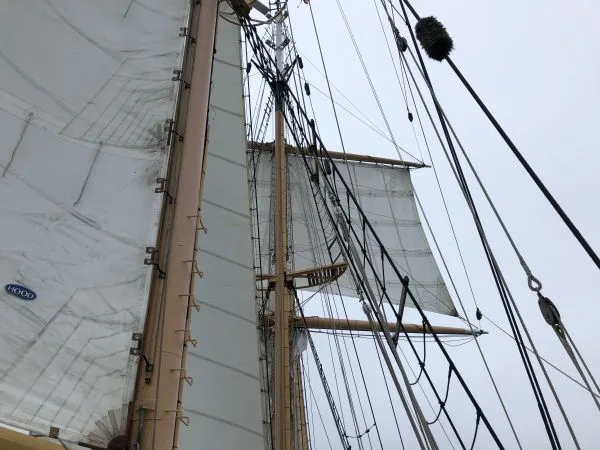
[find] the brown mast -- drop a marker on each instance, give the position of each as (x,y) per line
(283,437)
(157,409)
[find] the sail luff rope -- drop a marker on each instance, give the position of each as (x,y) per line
(531,278)
(500,283)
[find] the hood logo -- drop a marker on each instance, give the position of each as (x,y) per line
(21,292)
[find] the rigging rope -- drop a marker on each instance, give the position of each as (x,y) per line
(342,433)
(507,300)
(400,53)
(384,254)
(364,220)
(305,189)
(533,283)
(563,215)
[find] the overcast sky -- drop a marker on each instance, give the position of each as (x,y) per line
(535,65)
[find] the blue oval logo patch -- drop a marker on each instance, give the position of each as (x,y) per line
(21,292)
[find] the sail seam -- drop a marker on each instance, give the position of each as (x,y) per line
(226,160)
(233,113)
(218,419)
(226,259)
(199,356)
(245,319)
(224,208)
(237,66)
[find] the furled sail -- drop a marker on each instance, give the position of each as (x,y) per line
(85,90)
(385,194)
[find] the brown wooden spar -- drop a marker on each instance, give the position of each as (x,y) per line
(322,323)
(291,150)
(157,408)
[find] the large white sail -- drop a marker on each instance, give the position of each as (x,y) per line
(86,88)
(385,194)
(224,402)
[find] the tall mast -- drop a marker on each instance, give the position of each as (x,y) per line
(283,439)
(157,409)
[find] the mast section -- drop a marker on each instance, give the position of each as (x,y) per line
(157,409)
(283,439)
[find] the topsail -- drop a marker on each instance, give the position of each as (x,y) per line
(386,196)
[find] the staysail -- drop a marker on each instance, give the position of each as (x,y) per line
(86,88)
(385,194)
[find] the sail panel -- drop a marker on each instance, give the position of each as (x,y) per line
(85,90)
(385,194)
(224,403)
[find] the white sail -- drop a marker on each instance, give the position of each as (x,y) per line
(224,402)
(85,90)
(385,194)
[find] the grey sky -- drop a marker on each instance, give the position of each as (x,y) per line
(534,65)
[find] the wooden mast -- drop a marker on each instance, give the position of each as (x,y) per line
(283,439)
(157,408)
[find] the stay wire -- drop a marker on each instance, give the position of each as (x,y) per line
(337,122)
(412,297)
(370,81)
(330,261)
(563,215)
(502,289)
(554,366)
(531,278)
(457,246)
(386,255)
(564,340)
(332,219)
(373,126)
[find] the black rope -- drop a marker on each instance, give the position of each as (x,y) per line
(500,284)
(422,364)
(476,430)
(563,215)
(365,222)
(443,402)
(337,175)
